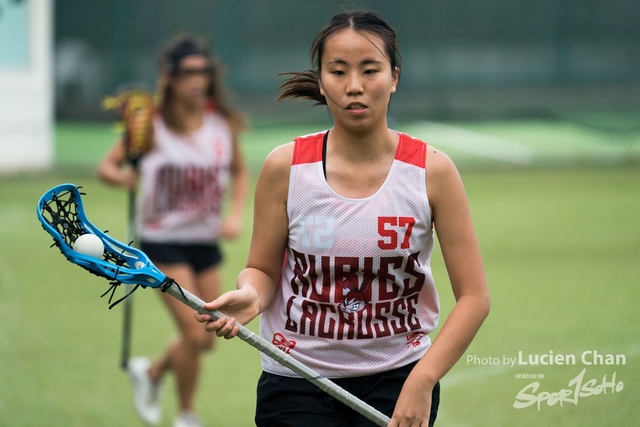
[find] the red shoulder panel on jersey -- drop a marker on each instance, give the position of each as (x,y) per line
(411,150)
(307,149)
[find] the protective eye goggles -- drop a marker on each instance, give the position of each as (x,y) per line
(184,73)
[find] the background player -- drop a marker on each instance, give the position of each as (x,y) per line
(183,179)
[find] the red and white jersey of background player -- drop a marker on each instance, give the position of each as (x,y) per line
(357,295)
(183,180)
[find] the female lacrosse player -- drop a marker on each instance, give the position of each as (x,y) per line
(182,184)
(339,264)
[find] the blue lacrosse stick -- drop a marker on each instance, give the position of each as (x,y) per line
(62,215)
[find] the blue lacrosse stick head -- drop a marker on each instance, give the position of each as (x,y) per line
(62,215)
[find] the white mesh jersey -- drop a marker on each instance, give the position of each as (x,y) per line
(183,180)
(357,295)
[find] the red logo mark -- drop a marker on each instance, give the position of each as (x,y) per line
(282,343)
(413,339)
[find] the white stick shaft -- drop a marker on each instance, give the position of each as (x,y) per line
(286,360)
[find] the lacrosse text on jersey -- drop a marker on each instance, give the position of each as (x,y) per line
(340,305)
(356,294)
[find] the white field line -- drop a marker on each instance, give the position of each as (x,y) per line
(476,143)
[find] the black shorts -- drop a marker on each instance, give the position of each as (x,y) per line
(295,402)
(197,256)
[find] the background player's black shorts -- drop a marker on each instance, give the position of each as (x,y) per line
(198,256)
(295,402)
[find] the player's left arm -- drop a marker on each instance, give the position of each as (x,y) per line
(239,187)
(461,252)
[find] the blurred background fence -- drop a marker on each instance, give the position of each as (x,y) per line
(461,58)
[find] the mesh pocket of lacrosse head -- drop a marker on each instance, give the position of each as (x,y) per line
(62,215)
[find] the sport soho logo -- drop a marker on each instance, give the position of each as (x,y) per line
(577,388)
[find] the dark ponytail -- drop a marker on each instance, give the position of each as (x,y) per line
(303,85)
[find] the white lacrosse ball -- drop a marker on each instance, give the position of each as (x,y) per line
(90,245)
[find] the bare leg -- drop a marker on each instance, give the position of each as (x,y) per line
(182,355)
